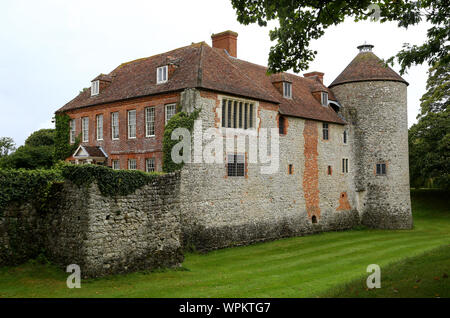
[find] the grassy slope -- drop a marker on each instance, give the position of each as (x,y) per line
(295,267)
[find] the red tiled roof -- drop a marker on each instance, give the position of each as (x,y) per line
(201,66)
(366,66)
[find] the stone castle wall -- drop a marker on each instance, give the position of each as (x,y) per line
(102,235)
(220,211)
(377,113)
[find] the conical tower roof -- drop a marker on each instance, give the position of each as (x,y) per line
(366,66)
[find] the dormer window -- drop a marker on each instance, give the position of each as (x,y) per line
(287,90)
(324,98)
(161,74)
(95,88)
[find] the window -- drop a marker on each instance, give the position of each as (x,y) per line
(287,90)
(329,171)
(345,136)
(381,169)
(132,124)
(116,164)
(161,74)
(115,125)
(344,165)
(236,165)
(325,131)
(282,125)
(72,124)
(85,129)
(95,88)
(170,111)
(150,164)
(150,121)
(132,164)
(99,127)
(291,169)
(324,98)
(237,114)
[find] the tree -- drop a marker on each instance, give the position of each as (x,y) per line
(36,153)
(301,21)
(429,139)
(7,146)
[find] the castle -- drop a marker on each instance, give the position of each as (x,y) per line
(343,149)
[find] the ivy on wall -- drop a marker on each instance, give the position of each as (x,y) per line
(63,148)
(179,120)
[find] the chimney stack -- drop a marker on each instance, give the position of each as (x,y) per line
(226,40)
(317,75)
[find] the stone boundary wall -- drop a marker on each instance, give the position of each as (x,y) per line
(103,235)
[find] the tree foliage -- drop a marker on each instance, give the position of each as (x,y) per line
(429,139)
(301,21)
(42,137)
(7,146)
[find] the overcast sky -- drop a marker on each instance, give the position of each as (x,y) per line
(51,49)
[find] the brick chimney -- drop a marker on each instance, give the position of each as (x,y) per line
(317,75)
(226,40)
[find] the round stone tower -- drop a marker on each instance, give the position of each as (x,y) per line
(374,103)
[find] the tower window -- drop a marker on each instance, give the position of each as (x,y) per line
(344,165)
(381,169)
(345,136)
(291,169)
(325,131)
(282,125)
(287,90)
(329,170)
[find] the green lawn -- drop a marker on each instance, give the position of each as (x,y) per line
(327,264)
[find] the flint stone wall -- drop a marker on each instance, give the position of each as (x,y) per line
(102,235)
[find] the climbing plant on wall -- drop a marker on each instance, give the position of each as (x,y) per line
(63,149)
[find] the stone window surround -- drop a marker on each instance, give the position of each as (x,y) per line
(238,131)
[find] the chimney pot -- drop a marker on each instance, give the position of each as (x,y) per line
(226,40)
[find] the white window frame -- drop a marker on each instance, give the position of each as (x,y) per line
(95,88)
(85,129)
(130,166)
(150,121)
(99,124)
(131,126)
(113,164)
(147,161)
(287,90)
(324,98)
(114,126)
(73,125)
(166,112)
(162,74)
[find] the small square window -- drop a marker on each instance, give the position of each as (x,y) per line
(381,169)
(287,90)
(236,165)
(161,74)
